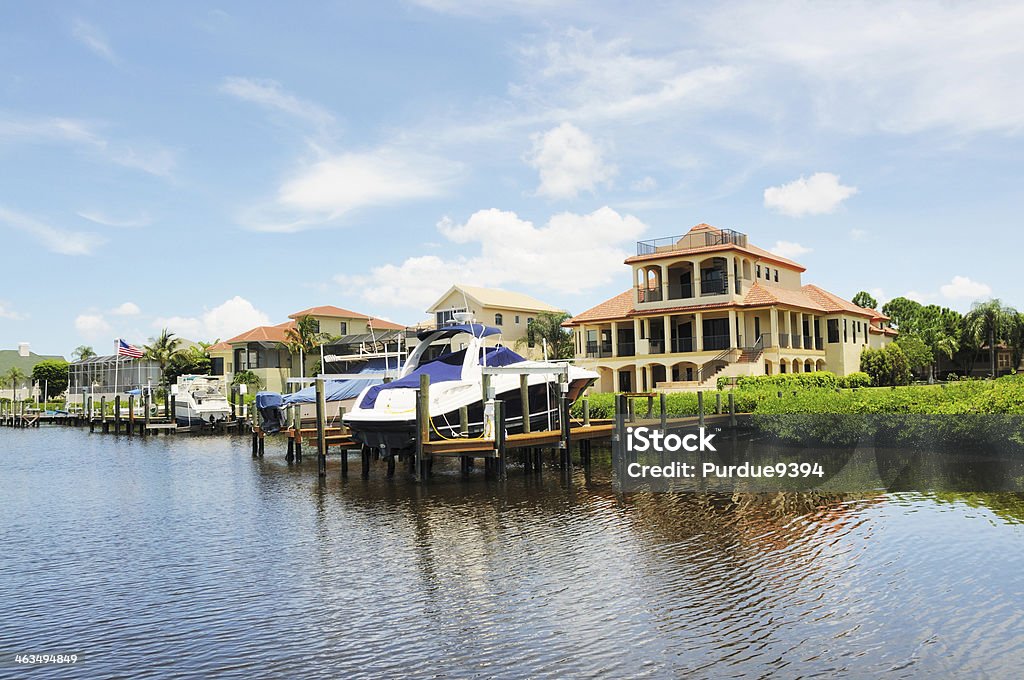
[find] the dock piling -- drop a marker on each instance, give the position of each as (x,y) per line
(117,414)
(422,425)
(321,432)
(700,408)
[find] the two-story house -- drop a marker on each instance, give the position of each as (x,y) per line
(264,350)
(709,304)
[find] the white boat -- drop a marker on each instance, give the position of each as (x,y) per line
(384,416)
(200,400)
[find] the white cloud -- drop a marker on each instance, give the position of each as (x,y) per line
(789,249)
(579,77)
(226,320)
(7,313)
(900,67)
(106,220)
(269,93)
(93,327)
(647,183)
(921,298)
(568,161)
(126,309)
(63,241)
(334,186)
(858,234)
(92,38)
(819,194)
(571,253)
(962,287)
(149,158)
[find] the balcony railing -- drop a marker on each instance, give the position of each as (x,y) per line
(678,291)
(716,286)
(712,342)
(784,340)
(818,343)
(597,350)
(689,241)
(808,342)
(626,349)
(657,346)
(682,344)
(648,295)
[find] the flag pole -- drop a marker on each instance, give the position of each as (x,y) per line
(117,357)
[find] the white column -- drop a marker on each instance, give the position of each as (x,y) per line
(774,321)
(742,317)
(698,331)
(667,323)
(664,282)
(636,332)
(615,338)
(732,328)
(800,328)
(615,380)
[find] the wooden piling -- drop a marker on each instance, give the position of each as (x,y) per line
(422,424)
(718,402)
(499,437)
(524,400)
(321,431)
(365,452)
(732,410)
(145,415)
(117,414)
(564,421)
(586,411)
(465,462)
(700,408)
(103,413)
(131,414)
(664,415)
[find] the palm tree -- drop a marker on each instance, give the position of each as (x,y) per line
(12,378)
(161,349)
(305,337)
(548,326)
(83,352)
(990,322)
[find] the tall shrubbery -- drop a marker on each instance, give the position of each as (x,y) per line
(886,367)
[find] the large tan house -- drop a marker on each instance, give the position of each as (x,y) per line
(509,311)
(264,349)
(710,304)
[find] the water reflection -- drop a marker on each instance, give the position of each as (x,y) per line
(185,557)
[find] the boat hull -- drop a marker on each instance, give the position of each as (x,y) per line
(190,416)
(399,433)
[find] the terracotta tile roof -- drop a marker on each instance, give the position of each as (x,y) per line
(833,303)
(329,311)
(617,307)
(767,294)
(264,334)
(220,346)
(381,324)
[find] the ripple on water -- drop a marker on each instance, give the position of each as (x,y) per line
(184,557)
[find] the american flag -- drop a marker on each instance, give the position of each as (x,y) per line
(126,350)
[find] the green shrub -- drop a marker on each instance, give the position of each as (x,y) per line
(858,379)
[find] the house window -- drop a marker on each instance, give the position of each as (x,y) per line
(447,315)
(846,336)
(776,276)
(517,319)
(758,269)
(833,330)
(767,273)
(344,327)
(315,323)
(498,319)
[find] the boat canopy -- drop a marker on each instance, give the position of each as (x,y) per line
(340,390)
(444,368)
(475,329)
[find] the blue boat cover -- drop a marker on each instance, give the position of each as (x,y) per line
(268,400)
(444,368)
(339,390)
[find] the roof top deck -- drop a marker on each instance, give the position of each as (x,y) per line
(692,240)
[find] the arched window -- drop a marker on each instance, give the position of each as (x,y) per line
(498,320)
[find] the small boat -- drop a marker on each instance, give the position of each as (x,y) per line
(384,416)
(200,400)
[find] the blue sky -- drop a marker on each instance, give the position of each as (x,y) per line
(210,169)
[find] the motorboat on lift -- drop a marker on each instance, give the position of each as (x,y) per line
(200,400)
(384,416)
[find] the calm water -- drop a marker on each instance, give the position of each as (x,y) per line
(184,557)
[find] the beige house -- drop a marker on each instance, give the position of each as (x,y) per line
(509,311)
(264,351)
(709,304)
